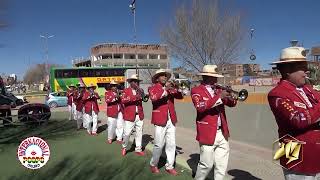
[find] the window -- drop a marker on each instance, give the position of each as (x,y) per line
(129,56)
(142,56)
(163,56)
(153,56)
(107,56)
(66,73)
(117,56)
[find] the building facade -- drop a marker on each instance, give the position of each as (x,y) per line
(239,70)
(129,55)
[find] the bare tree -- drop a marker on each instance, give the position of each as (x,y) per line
(204,35)
(36,73)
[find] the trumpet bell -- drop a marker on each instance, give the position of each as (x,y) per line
(242,95)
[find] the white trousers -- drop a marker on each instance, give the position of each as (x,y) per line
(119,128)
(88,119)
(79,118)
(128,127)
(164,136)
(115,127)
(72,112)
(290,175)
(216,155)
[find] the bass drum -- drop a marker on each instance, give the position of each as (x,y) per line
(34,113)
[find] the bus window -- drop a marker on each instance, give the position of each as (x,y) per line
(83,73)
(66,73)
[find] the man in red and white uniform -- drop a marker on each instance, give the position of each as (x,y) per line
(91,110)
(296,108)
(132,114)
(71,105)
(115,119)
(211,123)
(79,105)
(162,95)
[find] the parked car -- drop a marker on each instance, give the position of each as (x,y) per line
(56,99)
(18,100)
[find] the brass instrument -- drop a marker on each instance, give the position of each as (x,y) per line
(241,95)
(178,86)
(144,96)
(119,93)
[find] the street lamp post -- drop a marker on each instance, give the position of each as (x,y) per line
(47,55)
(46,48)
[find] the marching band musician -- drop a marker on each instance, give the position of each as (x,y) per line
(132,114)
(296,108)
(114,114)
(164,118)
(79,105)
(71,105)
(91,110)
(211,124)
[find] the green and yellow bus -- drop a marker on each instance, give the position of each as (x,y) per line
(61,78)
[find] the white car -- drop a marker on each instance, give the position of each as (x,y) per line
(23,98)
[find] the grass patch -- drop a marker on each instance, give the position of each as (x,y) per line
(74,155)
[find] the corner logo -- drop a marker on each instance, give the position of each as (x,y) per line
(33,152)
(288,150)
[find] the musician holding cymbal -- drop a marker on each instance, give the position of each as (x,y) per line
(162,95)
(211,122)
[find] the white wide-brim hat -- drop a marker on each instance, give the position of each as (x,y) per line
(80,85)
(71,85)
(160,72)
(112,82)
(91,85)
(210,70)
(292,54)
(133,77)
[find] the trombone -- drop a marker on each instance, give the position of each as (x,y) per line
(241,95)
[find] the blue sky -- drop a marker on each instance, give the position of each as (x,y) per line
(78,25)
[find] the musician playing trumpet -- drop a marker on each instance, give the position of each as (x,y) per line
(162,94)
(91,110)
(114,113)
(133,115)
(79,104)
(211,122)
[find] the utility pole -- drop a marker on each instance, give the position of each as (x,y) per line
(133,9)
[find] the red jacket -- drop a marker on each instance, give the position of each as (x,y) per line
(130,102)
(296,118)
(78,100)
(90,102)
(163,104)
(207,115)
(70,96)
(113,104)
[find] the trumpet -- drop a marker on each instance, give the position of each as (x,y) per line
(176,85)
(119,93)
(241,95)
